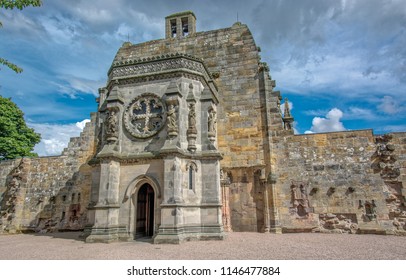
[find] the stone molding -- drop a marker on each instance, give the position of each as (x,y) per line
(158,64)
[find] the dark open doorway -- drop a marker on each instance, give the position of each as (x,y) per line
(145,212)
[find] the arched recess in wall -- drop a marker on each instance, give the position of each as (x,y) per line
(131,197)
(135,184)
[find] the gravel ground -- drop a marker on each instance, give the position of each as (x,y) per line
(237,246)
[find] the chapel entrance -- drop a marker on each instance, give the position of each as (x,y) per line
(145,212)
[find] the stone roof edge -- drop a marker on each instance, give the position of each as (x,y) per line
(197,34)
(184,13)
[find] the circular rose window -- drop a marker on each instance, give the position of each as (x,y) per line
(145,116)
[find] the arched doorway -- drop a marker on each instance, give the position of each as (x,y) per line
(145,211)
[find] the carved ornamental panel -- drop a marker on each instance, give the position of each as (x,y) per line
(145,116)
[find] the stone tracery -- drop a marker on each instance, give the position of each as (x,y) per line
(145,116)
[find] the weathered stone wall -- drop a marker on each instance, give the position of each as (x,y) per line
(246,200)
(5,168)
(337,181)
(333,182)
(48,192)
(232,57)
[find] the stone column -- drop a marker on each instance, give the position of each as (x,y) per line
(225,197)
(106,226)
(267,218)
(171,229)
(275,226)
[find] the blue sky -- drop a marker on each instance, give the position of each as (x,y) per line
(342,64)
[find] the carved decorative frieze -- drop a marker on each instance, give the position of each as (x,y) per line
(145,116)
(158,64)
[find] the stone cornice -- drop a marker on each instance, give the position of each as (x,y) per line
(148,157)
(155,64)
(160,65)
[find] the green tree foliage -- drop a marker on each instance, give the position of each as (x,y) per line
(16,139)
(16,4)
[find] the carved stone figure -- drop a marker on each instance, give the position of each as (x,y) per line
(192,117)
(212,120)
(300,201)
(172,119)
(112,126)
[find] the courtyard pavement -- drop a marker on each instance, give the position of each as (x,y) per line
(237,246)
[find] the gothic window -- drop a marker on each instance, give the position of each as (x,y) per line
(64,198)
(78,197)
(73,197)
(192,169)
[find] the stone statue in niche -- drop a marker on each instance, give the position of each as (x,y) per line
(212,120)
(112,126)
(192,118)
(300,201)
(211,124)
(172,118)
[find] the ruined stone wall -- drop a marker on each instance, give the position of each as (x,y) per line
(340,182)
(48,193)
(5,168)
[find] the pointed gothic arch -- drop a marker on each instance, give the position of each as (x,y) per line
(142,195)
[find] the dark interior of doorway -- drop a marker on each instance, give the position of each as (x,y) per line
(145,212)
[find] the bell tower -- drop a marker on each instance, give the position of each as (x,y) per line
(180,25)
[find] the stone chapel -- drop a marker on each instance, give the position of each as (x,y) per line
(189,143)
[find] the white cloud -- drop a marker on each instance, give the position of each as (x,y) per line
(389,105)
(356,113)
(55,137)
(60,29)
(81,125)
(328,124)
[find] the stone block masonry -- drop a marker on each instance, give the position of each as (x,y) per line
(341,182)
(189,140)
(48,193)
